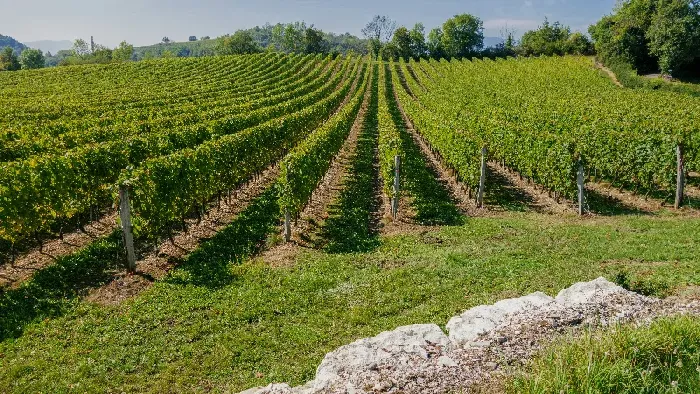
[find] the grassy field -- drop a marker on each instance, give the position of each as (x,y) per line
(661,358)
(219,325)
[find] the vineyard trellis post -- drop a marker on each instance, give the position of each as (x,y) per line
(287,225)
(580,180)
(397,185)
(680,176)
(482,179)
(127,230)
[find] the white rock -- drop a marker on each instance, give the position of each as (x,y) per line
(271,389)
(480,320)
(588,292)
(362,354)
(308,388)
(445,361)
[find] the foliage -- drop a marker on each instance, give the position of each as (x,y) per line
(304,167)
(406,44)
(419,48)
(674,34)
(661,357)
(435,46)
(650,34)
(390,144)
(7,41)
(82,174)
(554,39)
(541,115)
(167,188)
(314,42)
(8,60)
(381,28)
(462,36)
(124,52)
(31,59)
(240,43)
(271,323)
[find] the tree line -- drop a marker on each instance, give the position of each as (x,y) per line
(646,35)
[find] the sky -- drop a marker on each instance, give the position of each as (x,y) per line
(145,22)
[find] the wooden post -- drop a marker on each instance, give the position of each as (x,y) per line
(397,185)
(680,176)
(482,180)
(287,225)
(127,234)
(580,182)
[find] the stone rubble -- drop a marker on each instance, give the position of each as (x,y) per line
(484,342)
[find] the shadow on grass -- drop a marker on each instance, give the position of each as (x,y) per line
(609,205)
(432,200)
(209,264)
(352,223)
(501,192)
(52,290)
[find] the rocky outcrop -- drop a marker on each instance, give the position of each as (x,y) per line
(483,342)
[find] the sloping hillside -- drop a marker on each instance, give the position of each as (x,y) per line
(6,41)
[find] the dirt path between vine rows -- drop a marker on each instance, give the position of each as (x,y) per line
(608,71)
(25,265)
(328,190)
(154,265)
(505,188)
(458,190)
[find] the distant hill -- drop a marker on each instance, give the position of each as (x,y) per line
(7,41)
(491,42)
(50,46)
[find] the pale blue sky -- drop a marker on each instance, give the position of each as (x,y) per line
(143,22)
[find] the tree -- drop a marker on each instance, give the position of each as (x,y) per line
(241,42)
(8,60)
(401,44)
(101,54)
(419,48)
(205,38)
(81,49)
(674,34)
(622,35)
(165,40)
(380,28)
(192,38)
(167,54)
(390,51)
(289,37)
(374,46)
(549,39)
(462,35)
(579,44)
(124,52)
(314,41)
(31,59)
(435,48)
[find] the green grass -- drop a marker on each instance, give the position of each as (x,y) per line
(661,358)
(249,324)
(350,226)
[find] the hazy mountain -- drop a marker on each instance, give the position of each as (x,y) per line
(50,46)
(7,41)
(492,41)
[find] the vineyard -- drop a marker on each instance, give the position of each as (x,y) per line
(251,154)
